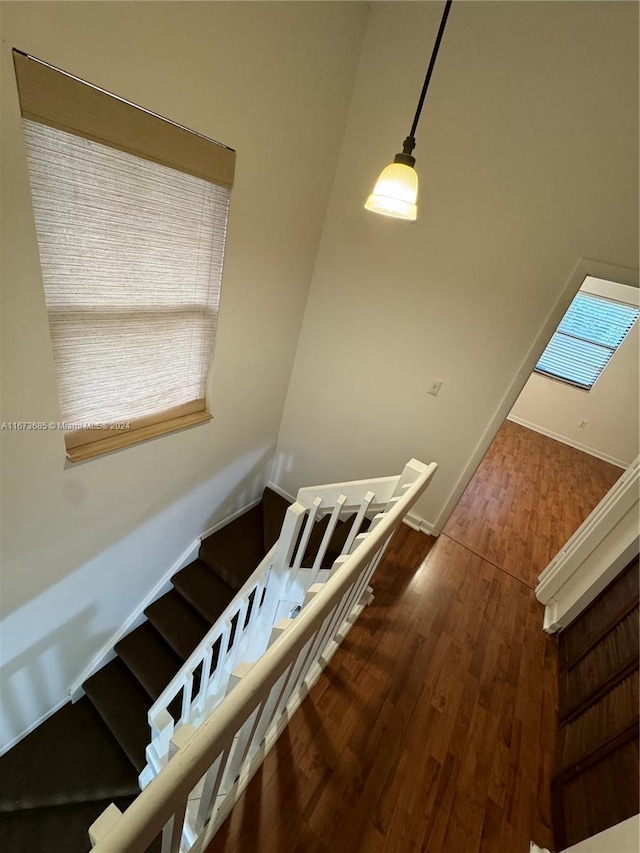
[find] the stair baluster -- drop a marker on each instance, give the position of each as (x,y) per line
(224,752)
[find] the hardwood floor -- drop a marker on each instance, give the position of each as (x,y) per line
(528,496)
(431,729)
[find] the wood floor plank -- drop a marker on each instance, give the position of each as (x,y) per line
(432,729)
(528,496)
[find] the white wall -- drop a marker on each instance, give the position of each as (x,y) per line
(622,838)
(82,544)
(611,408)
(527,156)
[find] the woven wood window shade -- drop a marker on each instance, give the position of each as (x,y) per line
(131,215)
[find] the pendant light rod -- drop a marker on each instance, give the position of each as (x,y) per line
(410,142)
(396,191)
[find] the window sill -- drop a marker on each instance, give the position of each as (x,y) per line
(120,440)
(566,381)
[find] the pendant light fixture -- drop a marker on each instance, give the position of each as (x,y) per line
(396,191)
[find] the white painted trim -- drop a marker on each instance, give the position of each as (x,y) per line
(274,733)
(208,752)
(135,619)
(563,438)
(598,550)
(614,505)
(584,267)
(7,746)
(623,837)
(611,272)
(280,491)
(416,522)
(628,294)
(220,524)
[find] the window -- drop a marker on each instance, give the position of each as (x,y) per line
(131,215)
(590,332)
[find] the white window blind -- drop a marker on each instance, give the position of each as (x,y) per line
(590,332)
(131,250)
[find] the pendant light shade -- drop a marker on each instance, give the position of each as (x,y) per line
(396,191)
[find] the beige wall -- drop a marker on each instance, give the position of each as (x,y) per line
(622,838)
(610,411)
(610,408)
(527,156)
(82,544)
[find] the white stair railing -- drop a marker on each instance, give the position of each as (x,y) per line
(200,764)
(240,634)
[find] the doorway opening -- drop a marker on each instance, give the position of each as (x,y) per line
(565,441)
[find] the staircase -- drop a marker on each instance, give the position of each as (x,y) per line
(197,694)
(61,777)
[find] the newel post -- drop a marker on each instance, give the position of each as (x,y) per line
(279,576)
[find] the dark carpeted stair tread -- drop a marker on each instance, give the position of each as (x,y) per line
(61,829)
(122,702)
(56,783)
(338,540)
(149,657)
(274,508)
(336,543)
(178,622)
(203,589)
(317,535)
(234,552)
(71,757)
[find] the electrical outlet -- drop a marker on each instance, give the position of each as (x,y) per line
(435,387)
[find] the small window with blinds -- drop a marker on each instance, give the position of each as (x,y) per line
(590,332)
(131,215)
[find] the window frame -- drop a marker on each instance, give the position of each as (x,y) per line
(57,99)
(604,290)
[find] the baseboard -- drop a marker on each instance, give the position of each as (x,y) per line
(415,522)
(562,438)
(280,491)
(7,746)
(229,519)
(135,619)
